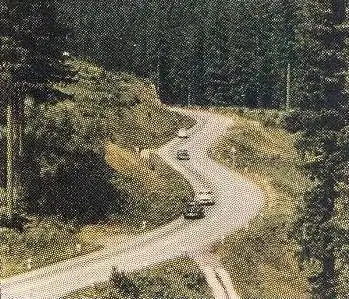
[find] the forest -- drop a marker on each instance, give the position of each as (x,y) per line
(288,55)
(199,52)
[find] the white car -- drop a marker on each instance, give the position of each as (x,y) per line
(204,197)
(182,133)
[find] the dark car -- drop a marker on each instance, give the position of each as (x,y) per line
(194,210)
(182,154)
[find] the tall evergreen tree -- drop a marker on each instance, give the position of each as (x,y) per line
(290,21)
(217,64)
(32,46)
(257,53)
(196,92)
(325,101)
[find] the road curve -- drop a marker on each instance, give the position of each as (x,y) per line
(237,201)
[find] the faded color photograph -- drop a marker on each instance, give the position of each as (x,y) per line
(174,149)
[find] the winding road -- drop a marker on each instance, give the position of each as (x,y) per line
(237,201)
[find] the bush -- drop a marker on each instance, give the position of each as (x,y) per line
(17,222)
(292,121)
(123,284)
(42,234)
(38,235)
(79,189)
(195,281)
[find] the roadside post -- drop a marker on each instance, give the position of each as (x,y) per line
(152,160)
(145,156)
(144,225)
(222,239)
(137,149)
(233,152)
(78,248)
(29,263)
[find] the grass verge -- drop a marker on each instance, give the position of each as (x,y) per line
(42,243)
(177,279)
(260,258)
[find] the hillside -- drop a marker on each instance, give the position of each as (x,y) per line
(86,182)
(261,257)
(132,110)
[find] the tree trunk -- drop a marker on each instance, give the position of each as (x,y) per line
(10,161)
(288,87)
(20,127)
(17,150)
(3,162)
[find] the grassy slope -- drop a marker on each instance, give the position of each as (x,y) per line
(138,121)
(134,117)
(261,258)
(175,279)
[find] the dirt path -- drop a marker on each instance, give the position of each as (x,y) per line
(217,277)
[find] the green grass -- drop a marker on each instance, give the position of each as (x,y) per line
(177,279)
(44,242)
(260,258)
(131,109)
(158,195)
(126,112)
(135,118)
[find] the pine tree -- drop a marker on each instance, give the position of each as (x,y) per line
(290,21)
(257,53)
(196,94)
(33,44)
(326,100)
(217,69)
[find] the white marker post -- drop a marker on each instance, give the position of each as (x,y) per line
(66,54)
(233,152)
(78,248)
(222,239)
(29,264)
(144,225)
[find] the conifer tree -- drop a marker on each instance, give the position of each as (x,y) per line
(290,21)
(325,104)
(32,46)
(217,69)
(197,82)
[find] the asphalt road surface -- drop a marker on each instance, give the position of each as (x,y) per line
(237,201)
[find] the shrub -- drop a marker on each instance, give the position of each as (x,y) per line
(195,281)
(292,121)
(123,284)
(17,222)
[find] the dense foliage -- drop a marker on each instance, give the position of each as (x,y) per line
(65,172)
(32,43)
(198,52)
(321,229)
